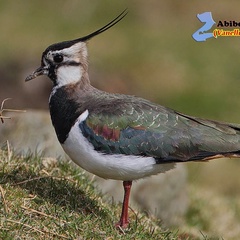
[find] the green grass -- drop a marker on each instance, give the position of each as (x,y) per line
(45,198)
(49,199)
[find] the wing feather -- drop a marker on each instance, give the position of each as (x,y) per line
(151,130)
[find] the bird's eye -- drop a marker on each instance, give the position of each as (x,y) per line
(58,58)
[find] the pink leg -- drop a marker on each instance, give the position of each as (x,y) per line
(124,221)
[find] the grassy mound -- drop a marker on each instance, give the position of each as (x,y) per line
(45,198)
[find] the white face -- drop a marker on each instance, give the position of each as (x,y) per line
(66,66)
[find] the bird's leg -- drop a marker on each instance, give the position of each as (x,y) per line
(123,223)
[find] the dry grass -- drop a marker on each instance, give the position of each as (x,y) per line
(6,110)
(44,198)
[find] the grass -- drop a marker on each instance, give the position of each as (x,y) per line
(46,198)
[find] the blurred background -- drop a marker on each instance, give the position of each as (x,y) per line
(150,54)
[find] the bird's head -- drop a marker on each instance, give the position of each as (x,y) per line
(66,62)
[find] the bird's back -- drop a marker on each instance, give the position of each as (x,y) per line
(122,124)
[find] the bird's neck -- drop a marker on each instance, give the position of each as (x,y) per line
(67,103)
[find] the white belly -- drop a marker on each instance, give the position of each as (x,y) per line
(116,166)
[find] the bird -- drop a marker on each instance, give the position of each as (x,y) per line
(123,137)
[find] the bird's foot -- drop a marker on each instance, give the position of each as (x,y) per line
(123,224)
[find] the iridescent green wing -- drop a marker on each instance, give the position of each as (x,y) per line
(152,130)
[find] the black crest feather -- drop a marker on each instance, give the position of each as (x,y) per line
(66,44)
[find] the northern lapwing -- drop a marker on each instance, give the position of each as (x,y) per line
(123,137)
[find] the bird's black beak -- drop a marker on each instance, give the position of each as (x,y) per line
(43,70)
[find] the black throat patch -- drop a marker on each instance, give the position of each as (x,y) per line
(64,112)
